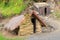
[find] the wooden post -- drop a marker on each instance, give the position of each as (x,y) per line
(33,20)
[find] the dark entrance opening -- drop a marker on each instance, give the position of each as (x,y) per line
(45,11)
(40,0)
(33,20)
(15,31)
(43,0)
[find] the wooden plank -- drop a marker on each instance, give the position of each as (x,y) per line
(39,19)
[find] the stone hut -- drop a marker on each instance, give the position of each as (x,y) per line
(21,25)
(42,8)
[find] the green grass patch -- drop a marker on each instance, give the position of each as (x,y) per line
(16,38)
(57,14)
(14,7)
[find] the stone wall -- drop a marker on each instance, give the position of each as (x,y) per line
(26,28)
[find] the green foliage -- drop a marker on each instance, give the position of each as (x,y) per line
(57,14)
(14,7)
(16,38)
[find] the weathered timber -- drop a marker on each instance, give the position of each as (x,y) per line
(39,18)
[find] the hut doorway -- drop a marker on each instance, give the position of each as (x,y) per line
(40,0)
(16,30)
(45,11)
(43,0)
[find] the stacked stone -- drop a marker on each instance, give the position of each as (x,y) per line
(26,28)
(38,27)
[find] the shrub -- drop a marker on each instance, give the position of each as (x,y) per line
(14,7)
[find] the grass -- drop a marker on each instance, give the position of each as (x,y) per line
(12,8)
(4,38)
(56,14)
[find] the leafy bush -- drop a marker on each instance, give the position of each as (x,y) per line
(57,14)
(14,7)
(5,38)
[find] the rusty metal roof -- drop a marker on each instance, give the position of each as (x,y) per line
(14,22)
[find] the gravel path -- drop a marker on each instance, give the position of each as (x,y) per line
(55,35)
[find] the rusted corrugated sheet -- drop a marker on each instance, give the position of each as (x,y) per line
(14,22)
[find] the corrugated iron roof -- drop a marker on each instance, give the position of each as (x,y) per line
(14,22)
